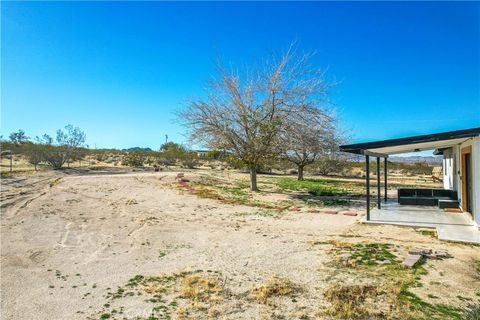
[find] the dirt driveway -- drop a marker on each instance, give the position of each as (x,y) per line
(71,245)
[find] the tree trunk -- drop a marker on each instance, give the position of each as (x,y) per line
(253,179)
(35,167)
(300,173)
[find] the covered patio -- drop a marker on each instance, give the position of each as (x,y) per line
(452,226)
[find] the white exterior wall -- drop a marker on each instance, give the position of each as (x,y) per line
(448,169)
(457,183)
(476,180)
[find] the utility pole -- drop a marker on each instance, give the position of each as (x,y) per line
(166,138)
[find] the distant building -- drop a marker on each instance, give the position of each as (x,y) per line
(201,153)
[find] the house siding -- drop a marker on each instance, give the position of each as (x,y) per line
(449,169)
(475,157)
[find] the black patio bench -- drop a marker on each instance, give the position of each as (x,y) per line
(428,197)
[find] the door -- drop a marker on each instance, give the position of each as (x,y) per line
(467,192)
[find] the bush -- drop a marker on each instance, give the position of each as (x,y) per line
(323,191)
(100,157)
(133,160)
(326,166)
(190,162)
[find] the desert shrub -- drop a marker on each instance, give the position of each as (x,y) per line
(264,168)
(189,162)
(323,191)
(326,166)
(133,160)
(282,165)
(100,157)
(150,161)
(234,162)
(34,154)
(421,168)
(172,152)
(335,202)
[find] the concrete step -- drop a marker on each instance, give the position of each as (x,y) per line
(470,234)
(448,204)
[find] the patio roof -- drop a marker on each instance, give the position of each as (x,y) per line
(412,144)
(384,148)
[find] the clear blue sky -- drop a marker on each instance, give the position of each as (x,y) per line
(119,70)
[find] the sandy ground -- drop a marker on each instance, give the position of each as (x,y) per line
(69,240)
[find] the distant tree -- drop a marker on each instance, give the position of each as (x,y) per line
(306,140)
(328,164)
(246,110)
(66,143)
(19,137)
(172,152)
(47,139)
(34,153)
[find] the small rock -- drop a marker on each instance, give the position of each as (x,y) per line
(329,211)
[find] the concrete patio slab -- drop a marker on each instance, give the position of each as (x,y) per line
(469,234)
(451,226)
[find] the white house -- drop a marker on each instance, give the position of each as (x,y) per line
(461,167)
(461,172)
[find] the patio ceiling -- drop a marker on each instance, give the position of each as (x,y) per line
(412,144)
(417,146)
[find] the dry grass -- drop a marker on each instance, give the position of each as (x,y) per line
(275,286)
(181,295)
(355,301)
(200,288)
(182,313)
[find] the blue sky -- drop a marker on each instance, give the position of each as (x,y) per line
(119,70)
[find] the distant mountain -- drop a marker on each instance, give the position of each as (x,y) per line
(137,149)
(431,160)
(415,159)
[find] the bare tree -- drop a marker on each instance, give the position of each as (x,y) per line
(246,110)
(303,142)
